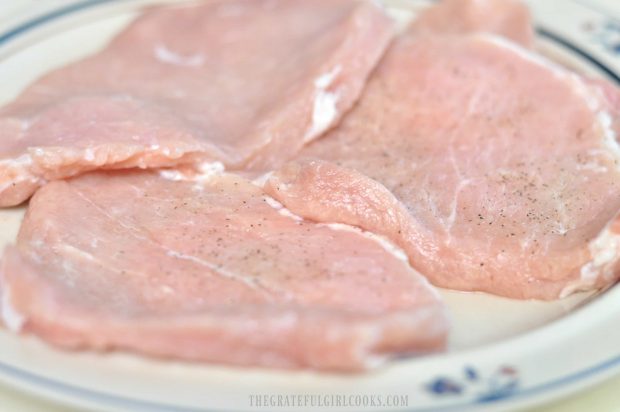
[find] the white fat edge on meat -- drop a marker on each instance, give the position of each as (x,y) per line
(605,120)
(206,170)
(165,55)
(156,147)
(383,241)
(261,180)
(281,209)
(324,109)
(591,94)
(610,142)
(166,151)
(172,174)
(89,154)
(605,254)
(21,166)
(11,318)
(38,151)
(387,245)
(22,161)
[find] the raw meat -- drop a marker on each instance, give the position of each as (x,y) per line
(210,270)
(506,163)
(508,18)
(245,82)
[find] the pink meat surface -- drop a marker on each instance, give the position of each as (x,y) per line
(505,163)
(209,270)
(508,18)
(244,82)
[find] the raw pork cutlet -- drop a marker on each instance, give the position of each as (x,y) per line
(508,18)
(210,270)
(506,164)
(245,82)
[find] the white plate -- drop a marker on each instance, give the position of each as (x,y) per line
(504,354)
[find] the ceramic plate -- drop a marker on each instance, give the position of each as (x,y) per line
(504,354)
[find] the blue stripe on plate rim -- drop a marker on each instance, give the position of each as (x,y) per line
(102,399)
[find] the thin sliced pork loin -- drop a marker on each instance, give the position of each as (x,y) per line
(245,82)
(210,270)
(506,164)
